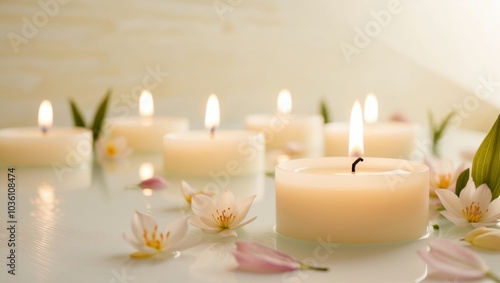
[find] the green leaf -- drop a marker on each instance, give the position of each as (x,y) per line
(462,180)
(437,131)
(78,120)
(486,163)
(324,112)
(100,115)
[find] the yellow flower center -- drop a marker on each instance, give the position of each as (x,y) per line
(473,212)
(156,239)
(224,218)
(110,150)
(442,181)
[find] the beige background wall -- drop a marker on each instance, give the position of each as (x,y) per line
(427,55)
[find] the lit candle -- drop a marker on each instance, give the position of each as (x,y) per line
(45,145)
(288,136)
(145,133)
(381,139)
(340,200)
(213,153)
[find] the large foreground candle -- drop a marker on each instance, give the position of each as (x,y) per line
(145,133)
(44,146)
(293,135)
(382,139)
(213,153)
(386,200)
(337,198)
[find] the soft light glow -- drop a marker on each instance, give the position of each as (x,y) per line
(212,114)
(371,109)
(356,148)
(147,192)
(45,115)
(146,171)
(146,106)
(284,102)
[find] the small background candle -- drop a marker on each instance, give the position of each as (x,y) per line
(288,136)
(145,133)
(381,139)
(214,154)
(45,145)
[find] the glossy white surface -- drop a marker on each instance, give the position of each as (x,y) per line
(70,230)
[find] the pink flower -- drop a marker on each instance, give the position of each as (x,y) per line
(254,257)
(443,174)
(451,261)
(154,183)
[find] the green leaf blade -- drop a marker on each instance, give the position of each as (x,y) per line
(324,112)
(486,163)
(462,180)
(100,115)
(78,120)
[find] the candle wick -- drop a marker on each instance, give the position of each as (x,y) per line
(212,132)
(44,130)
(353,170)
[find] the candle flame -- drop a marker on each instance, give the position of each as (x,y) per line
(284,102)
(356,147)
(45,115)
(212,114)
(146,171)
(146,106)
(371,109)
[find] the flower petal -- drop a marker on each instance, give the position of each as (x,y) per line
(248,262)
(244,223)
(177,230)
(186,189)
(228,233)
(445,270)
(457,255)
(154,183)
(456,219)
(450,201)
(146,222)
(226,201)
(493,213)
(243,208)
(482,196)
(197,222)
(202,205)
(255,249)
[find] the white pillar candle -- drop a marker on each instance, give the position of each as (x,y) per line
(213,153)
(385,139)
(383,200)
(44,146)
(294,136)
(386,200)
(145,133)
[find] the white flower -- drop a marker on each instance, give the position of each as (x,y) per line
(443,174)
(451,261)
(188,192)
(148,241)
(113,148)
(474,206)
(221,216)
